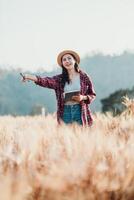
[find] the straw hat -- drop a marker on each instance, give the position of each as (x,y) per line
(77,57)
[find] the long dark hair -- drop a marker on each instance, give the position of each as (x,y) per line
(65,76)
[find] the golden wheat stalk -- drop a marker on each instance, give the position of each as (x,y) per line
(41,160)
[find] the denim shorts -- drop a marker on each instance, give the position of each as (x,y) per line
(72,113)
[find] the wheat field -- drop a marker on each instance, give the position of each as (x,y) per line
(40,160)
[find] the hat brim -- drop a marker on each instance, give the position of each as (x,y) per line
(76,56)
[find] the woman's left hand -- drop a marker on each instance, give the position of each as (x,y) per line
(78,98)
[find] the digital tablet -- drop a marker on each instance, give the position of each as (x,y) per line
(69,95)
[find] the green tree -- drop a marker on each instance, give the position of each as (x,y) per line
(113,103)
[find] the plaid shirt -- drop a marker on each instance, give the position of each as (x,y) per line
(86,89)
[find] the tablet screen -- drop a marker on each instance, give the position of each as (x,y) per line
(69,95)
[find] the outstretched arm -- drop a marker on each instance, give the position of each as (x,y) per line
(48,82)
(28,77)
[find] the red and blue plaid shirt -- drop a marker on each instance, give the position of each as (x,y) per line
(86,88)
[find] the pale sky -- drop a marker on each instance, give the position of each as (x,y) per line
(33,32)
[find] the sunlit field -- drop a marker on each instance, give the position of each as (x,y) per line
(40,160)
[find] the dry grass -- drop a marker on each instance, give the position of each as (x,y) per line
(41,160)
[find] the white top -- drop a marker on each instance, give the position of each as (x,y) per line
(74,85)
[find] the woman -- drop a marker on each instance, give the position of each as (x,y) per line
(71,79)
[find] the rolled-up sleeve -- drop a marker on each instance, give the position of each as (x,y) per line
(91,95)
(48,82)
